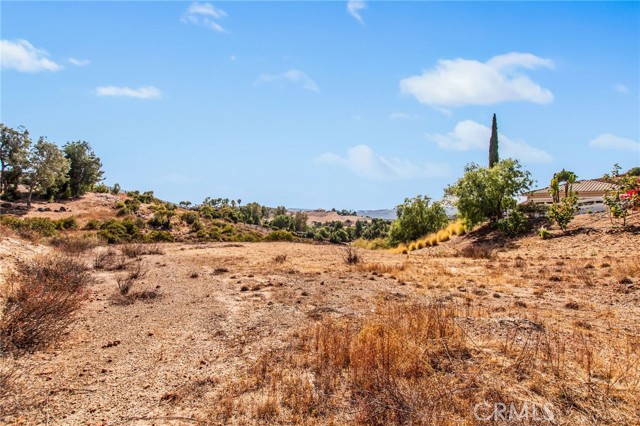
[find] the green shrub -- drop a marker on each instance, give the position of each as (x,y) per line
(93,225)
(41,226)
(161,236)
(562,213)
(160,220)
(128,206)
(514,224)
(189,218)
(544,233)
(280,236)
(101,188)
(66,223)
(114,231)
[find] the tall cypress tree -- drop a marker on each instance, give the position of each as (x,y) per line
(493,143)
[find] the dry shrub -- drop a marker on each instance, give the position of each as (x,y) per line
(476,252)
(135,250)
(110,260)
(45,294)
(132,251)
(280,258)
(351,256)
(125,283)
(75,244)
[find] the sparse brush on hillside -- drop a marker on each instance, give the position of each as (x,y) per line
(37,227)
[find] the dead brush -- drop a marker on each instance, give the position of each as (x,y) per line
(476,252)
(74,245)
(280,258)
(351,256)
(125,284)
(110,260)
(42,301)
(132,251)
(135,250)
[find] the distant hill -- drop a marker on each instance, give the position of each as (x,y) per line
(387,214)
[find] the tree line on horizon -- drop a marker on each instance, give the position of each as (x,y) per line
(44,168)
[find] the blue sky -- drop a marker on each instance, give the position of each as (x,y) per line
(324,104)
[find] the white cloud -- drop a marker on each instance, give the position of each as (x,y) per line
(459,82)
(469,135)
(402,116)
(363,162)
(621,88)
(24,57)
(354,7)
(144,92)
(79,62)
(609,141)
(294,76)
(204,14)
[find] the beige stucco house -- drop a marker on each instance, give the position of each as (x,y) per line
(590,194)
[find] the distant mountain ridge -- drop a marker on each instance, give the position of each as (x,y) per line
(387,214)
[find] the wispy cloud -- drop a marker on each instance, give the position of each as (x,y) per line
(206,15)
(459,82)
(354,7)
(469,135)
(293,76)
(621,88)
(609,141)
(361,161)
(79,62)
(402,116)
(22,56)
(144,92)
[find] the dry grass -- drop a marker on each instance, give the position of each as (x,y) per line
(415,364)
(381,268)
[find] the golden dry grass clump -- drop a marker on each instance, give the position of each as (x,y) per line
(416,364)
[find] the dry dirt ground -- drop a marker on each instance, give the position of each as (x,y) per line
(216,308)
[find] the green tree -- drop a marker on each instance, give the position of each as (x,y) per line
(299,221)
(46,166)
(487,193)
(416,218)
(14,147)
(634,171)
(281,221)
(85,167)
(493,143)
